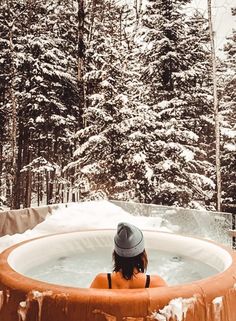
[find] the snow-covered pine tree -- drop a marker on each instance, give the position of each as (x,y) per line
(8,28)
(98,157)
(227,84)
(4,83)
(45,86)
(4,146)
(175,82)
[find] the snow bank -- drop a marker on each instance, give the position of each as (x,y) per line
(87,215)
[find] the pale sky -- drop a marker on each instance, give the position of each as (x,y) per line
(223,21)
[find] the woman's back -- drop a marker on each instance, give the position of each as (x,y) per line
(115,280)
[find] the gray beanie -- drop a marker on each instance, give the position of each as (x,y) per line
(128,240)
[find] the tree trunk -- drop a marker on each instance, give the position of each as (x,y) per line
(81,57)
(29,188)
(1,168)
(26,159)
(38,189)
(17,187)
(93,10)
(120,36)
(13,113)
(47,187)
(51,186)
(137,9)
(216,111)
(1,159)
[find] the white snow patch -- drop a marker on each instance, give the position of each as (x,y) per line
(39,119)
(139,157)
(166,165)
(188,155)
(22,304)
(39,296)
(167,186)
(191,135)
(105,83)
(22,310)
(176,309)
(90,169)
(217,302)
(96,97)
(164,104)
(230,147)
(149,173)
(228,132)
(203,180)
(123,98)
(93,141)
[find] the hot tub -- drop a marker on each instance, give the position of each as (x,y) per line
(27,299)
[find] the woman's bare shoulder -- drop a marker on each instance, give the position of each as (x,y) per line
(100,281)
(157,281)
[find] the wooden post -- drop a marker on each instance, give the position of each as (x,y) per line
(216,110)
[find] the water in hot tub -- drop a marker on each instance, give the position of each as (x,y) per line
(79,270)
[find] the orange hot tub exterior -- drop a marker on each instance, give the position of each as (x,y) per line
(25,299)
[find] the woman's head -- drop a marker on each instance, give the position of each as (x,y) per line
(129,255)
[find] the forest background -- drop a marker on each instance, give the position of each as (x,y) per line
(104,99)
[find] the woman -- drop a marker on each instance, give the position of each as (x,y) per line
(130,263)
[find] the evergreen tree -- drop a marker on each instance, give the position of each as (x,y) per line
(129,91)
(45,85)
(227,84)
(98,157)
(175,78)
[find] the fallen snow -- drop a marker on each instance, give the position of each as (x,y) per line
(87,215)
(176,309)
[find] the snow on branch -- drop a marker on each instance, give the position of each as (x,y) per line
(40,165)
(92,143)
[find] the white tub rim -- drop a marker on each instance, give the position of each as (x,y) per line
(12,259)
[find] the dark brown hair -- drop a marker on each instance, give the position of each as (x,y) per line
(126,265)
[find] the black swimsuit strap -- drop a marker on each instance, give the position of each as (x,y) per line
(147,281)
(109,280)
(147,284)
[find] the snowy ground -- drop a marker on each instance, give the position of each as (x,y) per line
(104,214)
(98,214)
